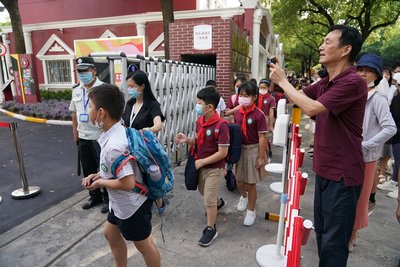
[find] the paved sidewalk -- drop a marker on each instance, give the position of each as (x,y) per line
(66,235)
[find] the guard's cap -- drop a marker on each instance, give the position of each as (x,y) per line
(83,63)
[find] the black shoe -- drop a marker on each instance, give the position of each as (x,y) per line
(90,204)
(209,234)
(221,205)
(104,208)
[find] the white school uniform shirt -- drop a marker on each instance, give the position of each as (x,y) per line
(80,105)
(113,143)
(221,106)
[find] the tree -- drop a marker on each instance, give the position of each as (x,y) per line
(309,20)
(16,25)
(167,8)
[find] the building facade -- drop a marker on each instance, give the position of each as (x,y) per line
(234,36)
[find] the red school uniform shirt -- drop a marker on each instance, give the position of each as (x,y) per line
(265,103)
(233,101)
(338,132)
(210,144)
(255,124)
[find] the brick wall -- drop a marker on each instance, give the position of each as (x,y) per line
(181,42)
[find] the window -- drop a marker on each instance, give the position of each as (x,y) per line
(58,71)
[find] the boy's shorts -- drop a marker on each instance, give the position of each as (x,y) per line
(209,185)
(246,166)
(138,226)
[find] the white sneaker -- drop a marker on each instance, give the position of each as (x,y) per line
(394,194)
(242,205)
(250,218)
(388,185)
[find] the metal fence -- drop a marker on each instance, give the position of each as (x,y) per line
(175,85)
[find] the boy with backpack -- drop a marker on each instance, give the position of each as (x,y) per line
(210,157)
(129,214)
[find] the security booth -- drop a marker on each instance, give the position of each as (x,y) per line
(23,71)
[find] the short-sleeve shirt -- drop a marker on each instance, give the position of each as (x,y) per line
(113,143)
(221,106)
(232,101)
(256,124)
(268,103)
(338,132)
(145,117)
(80,105)
(211,144)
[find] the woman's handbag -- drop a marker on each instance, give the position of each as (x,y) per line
(191,174)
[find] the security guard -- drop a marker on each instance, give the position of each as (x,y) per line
(85,133)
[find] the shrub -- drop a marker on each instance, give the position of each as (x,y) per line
(57,95)
(47,109)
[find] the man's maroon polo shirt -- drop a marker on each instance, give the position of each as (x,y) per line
(338,132)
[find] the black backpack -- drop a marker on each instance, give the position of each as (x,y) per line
(235,143)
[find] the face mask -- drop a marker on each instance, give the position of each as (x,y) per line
(371,84)
(263,91)
(133,92)
(85,77)
(236,90)
(199,110)
(245,101)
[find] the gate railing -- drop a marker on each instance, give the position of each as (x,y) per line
(175,85)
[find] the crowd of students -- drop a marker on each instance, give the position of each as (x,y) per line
(345,187)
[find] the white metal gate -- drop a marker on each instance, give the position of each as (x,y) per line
(175,85)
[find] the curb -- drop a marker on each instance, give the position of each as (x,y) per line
(36,120)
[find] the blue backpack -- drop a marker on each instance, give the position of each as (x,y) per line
(146,150)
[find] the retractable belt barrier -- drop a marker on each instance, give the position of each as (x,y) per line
(26,191)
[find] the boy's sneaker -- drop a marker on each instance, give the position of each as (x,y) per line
(209,234)
(394,194)
(388,185)
(221,205)
(250,218)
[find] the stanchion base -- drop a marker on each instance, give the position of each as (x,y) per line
(276,187)
(274,168)
(21,194)
(266,256)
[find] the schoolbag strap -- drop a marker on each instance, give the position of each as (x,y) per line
(147,147)
(140,189)
(117,165)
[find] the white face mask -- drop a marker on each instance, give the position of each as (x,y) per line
(264,91)
(371,84)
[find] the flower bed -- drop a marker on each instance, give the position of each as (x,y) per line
(47,109)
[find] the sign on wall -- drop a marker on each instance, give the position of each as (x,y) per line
(202,37)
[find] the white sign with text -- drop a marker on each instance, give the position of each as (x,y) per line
(202,37)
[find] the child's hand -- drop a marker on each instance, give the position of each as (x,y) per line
(87,181)
(261,162)
(181,138)
(199,163)
(94,185)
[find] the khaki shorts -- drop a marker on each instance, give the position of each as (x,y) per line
(209,185)
(246,170)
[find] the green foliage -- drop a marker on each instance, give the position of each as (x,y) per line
(58,95)
(386,45)
(305,22)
